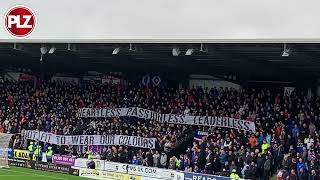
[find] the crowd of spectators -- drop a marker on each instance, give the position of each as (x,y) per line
(286,142)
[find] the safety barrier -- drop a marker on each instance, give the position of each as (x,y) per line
(141,172)
(104,169)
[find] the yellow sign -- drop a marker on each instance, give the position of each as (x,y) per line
(22,154)
(96,174)
(89,172)
(118,176)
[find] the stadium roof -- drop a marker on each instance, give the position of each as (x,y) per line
(245,61)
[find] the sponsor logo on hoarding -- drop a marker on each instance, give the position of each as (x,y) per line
(20,21)
(196,176)
(19,163)
(21,154)
(96,174)
(116,167)
(152,172)
(52,167)
(43,166)
(143,169)
(64,160)
(89,172)
(74,172)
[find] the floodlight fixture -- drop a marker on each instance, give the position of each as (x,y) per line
(203,48)
(41,57)
(175,52)
(43,50)
(132,47)
(115,51)
(52,50)
(69,47)
(189,52)
(285,54)
(286,51)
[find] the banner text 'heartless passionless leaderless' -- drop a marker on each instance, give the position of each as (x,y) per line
(169,118)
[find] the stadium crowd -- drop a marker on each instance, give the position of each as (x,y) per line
(286,142)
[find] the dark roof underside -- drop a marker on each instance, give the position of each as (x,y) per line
(245,61)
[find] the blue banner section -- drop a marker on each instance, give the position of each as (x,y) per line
(196,176)
(199,134)
(10,153)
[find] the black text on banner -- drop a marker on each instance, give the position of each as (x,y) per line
(169,118)
(124,140)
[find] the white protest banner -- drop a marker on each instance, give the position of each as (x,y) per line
(151,172)
(124,140)
(169,118)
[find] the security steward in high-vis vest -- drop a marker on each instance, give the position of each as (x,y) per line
(31,149)
(178,163)
(90,156)
(90,164)
(49,154)
(264,147)
(38,153)
(234,175)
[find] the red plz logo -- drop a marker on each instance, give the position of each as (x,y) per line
(20,21)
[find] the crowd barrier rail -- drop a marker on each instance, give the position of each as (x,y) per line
(143,172)
(104,169)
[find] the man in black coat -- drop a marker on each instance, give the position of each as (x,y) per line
(253,170)
(303,175)
(292,175)
(313,175)
(260,164)
(249,173)
(266,168)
